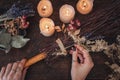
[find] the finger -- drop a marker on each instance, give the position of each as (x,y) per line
(24,73)
(82,50)
(2,72)
(87,57)
(23,61)
(20,67)
(8,69)
(71,51)
(74,58)
(81,58)
(13,70)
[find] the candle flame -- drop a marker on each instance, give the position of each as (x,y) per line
(44,8)
(47,27)
(67,13)
(84,5)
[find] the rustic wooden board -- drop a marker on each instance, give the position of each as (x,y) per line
(60,70)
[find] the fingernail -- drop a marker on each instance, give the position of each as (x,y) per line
(73,48)
(3,67)
(9,64)
(24,59)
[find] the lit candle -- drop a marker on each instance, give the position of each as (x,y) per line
(46,26)
(45,8)
(84,6)
(66,13)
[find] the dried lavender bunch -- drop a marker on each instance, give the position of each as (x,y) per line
(18,10)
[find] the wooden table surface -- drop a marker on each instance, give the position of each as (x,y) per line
(60,69)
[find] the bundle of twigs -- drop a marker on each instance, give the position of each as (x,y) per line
(53,47)
(104,21)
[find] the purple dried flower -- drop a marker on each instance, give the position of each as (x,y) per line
(78,22)
(71,28)
(74,25)
(72,22)
(18,10)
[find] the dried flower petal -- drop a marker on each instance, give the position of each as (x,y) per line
(62,48)
(78,23)
(58,29)
(63,27)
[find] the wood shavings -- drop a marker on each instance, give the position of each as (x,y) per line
(77,32)
(98,45)
(61,46)
(111,51)
(118,39)
(58,29)
(63,27)
(116,71)
(115,67)
(74,35)
(65,30)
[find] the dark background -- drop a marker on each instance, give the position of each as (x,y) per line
(60,69)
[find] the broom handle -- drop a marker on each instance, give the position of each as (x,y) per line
(35,59)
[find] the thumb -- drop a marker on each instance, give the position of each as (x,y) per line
(74,57)
(24,73)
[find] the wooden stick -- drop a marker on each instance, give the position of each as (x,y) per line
(35,59)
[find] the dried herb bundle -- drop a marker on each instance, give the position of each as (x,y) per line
(13,25)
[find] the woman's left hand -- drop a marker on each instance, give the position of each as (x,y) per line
(14,71)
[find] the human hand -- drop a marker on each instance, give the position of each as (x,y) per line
(14,71)
(80,69)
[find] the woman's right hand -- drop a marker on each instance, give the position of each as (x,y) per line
(80,69)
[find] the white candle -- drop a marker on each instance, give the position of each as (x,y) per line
(84,6)
(66,13)
(47,26)
(45,8)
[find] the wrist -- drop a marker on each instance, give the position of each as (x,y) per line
(79,78)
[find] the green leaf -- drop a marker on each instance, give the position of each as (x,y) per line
(5,40)
(19,41)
